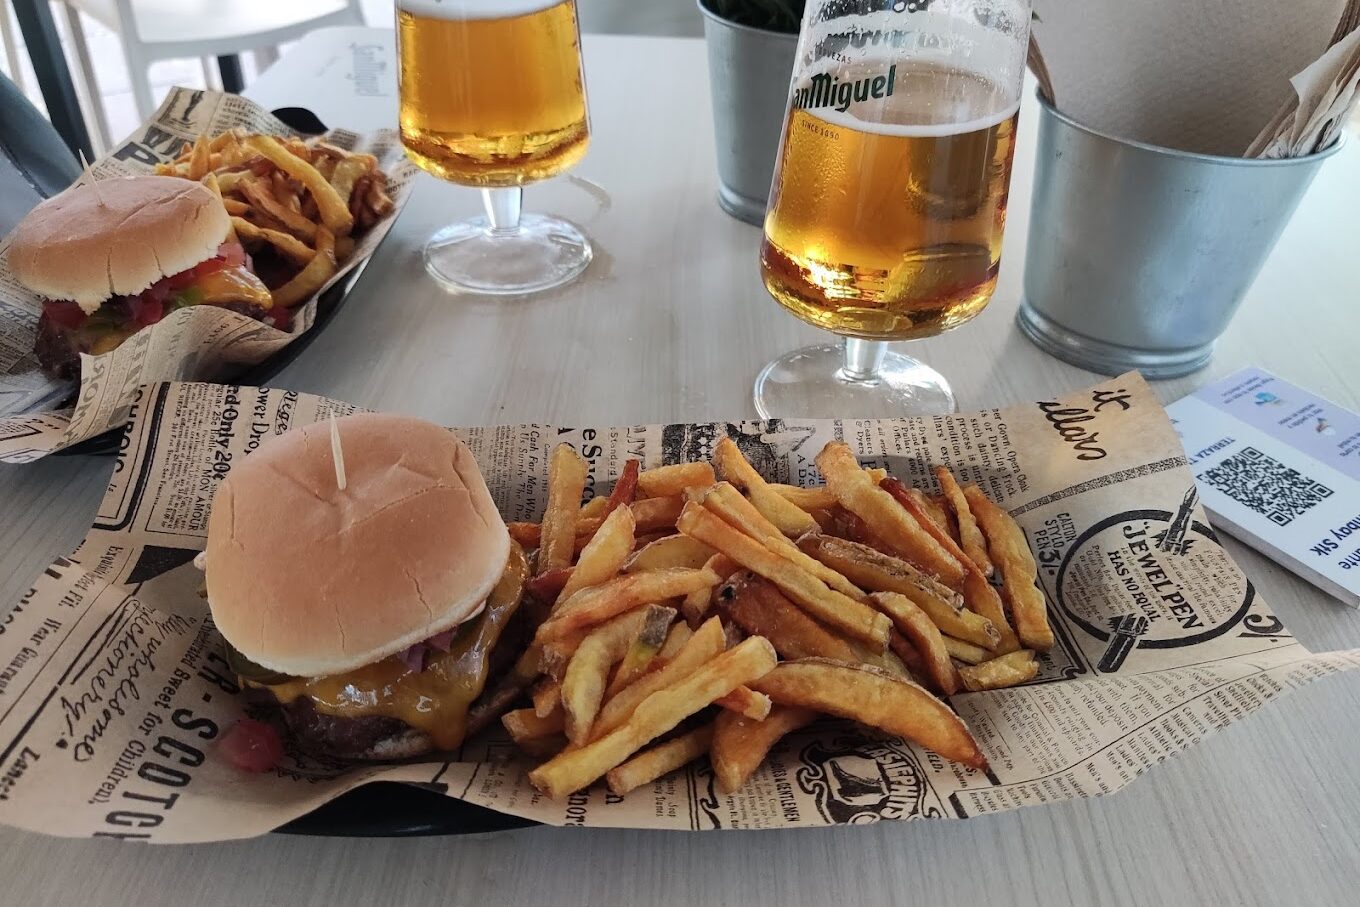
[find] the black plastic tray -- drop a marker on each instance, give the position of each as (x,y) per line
(391,809)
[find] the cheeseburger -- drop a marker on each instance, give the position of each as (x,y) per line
(366,610)
(114,256)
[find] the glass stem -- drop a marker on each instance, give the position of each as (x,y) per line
(863,360)
(502,209)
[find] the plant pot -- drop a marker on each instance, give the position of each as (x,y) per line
(748,72)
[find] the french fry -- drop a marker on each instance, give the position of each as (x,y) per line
(746,701)
(890,522)
(198,159)
(292,248)
(733,466)
(852,617)
(526,535)
(970,536)
(913,623)
(675,641)
(284,191)
(570,771)
(874,697)
(625,488)
(659,760)
(693,650)
(346,174)
(639,657)
(740,744)
(1004,671)
(650,515)
(546,696)
(938,515)
(312,277)
(261,198)
(222,140)
(758,607)
(605,555)
(912,661)
(232,179)
(237,208)
(587,674)
(818,497)
(1019,573)
(566,484)
(524,724)
(871,569)
(966,651)
(676,479)
(543,747)
(593,509)
(978,594)
(724,500)
(695,606)
(596,604)
(333,209)
(671,551)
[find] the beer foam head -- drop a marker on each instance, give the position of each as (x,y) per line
(474,9)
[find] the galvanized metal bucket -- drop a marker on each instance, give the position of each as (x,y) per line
(1138,256)
(749,71)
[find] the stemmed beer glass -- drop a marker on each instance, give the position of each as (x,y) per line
(492,96)
(889,200)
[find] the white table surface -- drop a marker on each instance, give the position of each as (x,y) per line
(671,323)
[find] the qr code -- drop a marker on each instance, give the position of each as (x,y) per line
(1266,485)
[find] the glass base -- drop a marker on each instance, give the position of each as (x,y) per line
(812,383)
(469,257)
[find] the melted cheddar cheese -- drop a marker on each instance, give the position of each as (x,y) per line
(434,700)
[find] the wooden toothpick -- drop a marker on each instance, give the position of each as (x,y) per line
(94,183)
(337,454)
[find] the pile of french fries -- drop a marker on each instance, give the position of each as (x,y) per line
(700,609)
(303,200)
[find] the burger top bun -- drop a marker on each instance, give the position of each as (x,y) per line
(309,580)
(116,237)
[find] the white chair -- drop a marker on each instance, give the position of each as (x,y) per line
(12,61)
(152,30)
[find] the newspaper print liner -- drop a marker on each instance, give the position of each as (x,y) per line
(114,689)
(199,343)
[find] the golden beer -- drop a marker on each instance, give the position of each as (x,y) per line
(889,201)
(491,92)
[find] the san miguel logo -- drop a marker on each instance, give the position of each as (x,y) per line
(856,780)
(1076,424)
(825,90)
(1151,579)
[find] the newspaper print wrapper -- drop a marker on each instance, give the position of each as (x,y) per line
(205,343)
(114,691)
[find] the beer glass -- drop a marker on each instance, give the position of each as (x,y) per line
(492,96)
(889,197)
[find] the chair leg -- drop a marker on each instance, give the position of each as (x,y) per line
(209,73)
(229,65)
(12,61)
(94,101)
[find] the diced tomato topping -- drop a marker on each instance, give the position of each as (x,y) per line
(64,313)
(252,746)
